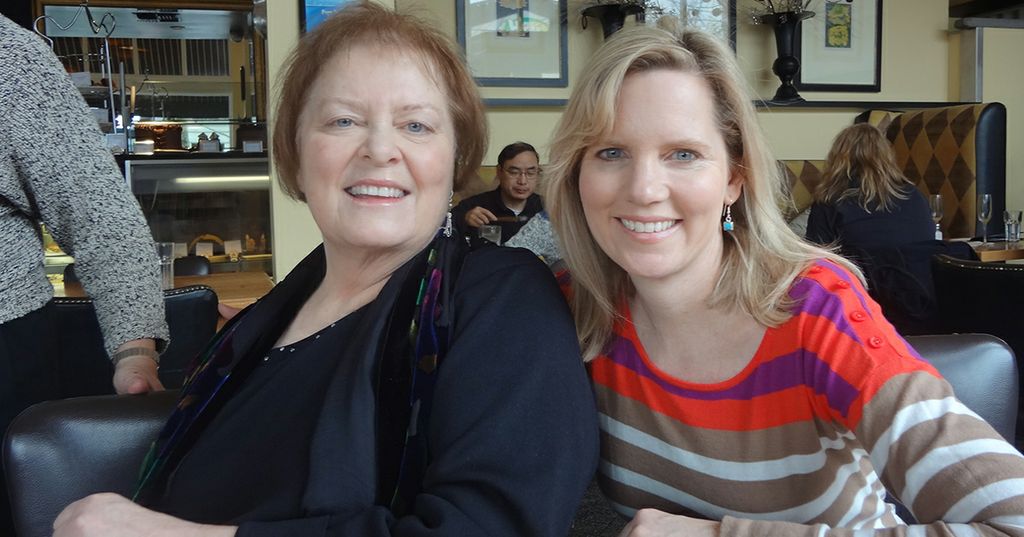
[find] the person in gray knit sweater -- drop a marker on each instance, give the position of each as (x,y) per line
(56,170)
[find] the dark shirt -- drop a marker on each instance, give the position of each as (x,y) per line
(266,478)
(512,436)
(893,248)
(849,224)
(491,200)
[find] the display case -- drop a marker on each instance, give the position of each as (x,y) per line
(215,205)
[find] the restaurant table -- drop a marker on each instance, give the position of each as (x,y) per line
(999,250)
(235,289)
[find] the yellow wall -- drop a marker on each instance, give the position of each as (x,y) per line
(1002,82)
(915,68)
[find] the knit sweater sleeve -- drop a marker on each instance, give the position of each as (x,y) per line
(76,189)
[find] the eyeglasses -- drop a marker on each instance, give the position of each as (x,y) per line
(529,173)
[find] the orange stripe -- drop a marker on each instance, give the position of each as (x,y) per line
(770,410)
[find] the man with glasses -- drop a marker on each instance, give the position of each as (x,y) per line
(511,204)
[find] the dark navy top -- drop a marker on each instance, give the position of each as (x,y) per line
(847,223)
(264,476)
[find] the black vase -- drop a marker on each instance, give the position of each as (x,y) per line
(612,16)
(786,65)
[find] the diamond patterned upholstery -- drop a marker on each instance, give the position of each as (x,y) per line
(956,151)
(803,177)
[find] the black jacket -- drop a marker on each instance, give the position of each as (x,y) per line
(513,431)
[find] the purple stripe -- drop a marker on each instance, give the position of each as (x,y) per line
(845,275)
(814,299)
(800,368)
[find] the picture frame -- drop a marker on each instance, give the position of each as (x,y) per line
(313,12)
(515,43)
(840,48)
(717,17)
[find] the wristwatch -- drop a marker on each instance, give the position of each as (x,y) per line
(135,351)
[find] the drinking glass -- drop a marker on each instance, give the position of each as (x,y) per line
(1011,225)
(984,215)
(165,251)
(935,200)
(491,232)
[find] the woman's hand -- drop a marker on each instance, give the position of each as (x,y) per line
(111,515)
(137,374)
(478,216)
(655,523)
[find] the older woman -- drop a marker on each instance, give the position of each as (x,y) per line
(368,393)
(746,383)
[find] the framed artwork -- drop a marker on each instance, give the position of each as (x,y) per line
(717,17)
(313,12)
(840,47)
(515,42)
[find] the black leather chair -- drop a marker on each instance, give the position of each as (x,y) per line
(981,297)
(191,265)
(69,273)
(85,367)
(59,451)
(900,280)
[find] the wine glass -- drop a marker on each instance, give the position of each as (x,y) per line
(935,201)
(984,215)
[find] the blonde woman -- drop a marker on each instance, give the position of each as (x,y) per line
(864,200)
(746,383)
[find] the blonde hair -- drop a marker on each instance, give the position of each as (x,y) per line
(862,165)
(763,257)
(366,23)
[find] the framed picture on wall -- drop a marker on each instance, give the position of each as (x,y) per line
(840,47)
(313,12)
(514,42)
(717,17)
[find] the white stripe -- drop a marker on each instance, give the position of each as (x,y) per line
(941,458)
(910,416)
(963,530)
(822,530)
(1016,521)
(863,493)
(732,470)
(800,513)
(969,506)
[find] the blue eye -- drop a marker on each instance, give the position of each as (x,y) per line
(610,154)
(416,127)
(684,155)
(344,122)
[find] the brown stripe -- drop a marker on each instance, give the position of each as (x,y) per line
(954,482)
(893,396)
(938,433)
(749,496)
(640,499)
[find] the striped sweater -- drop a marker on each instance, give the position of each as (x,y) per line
(833,410)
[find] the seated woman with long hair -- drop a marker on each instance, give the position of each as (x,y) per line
(746,382)
(875,216)
(864,199)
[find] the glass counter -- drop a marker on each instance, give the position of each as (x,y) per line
(215,204)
